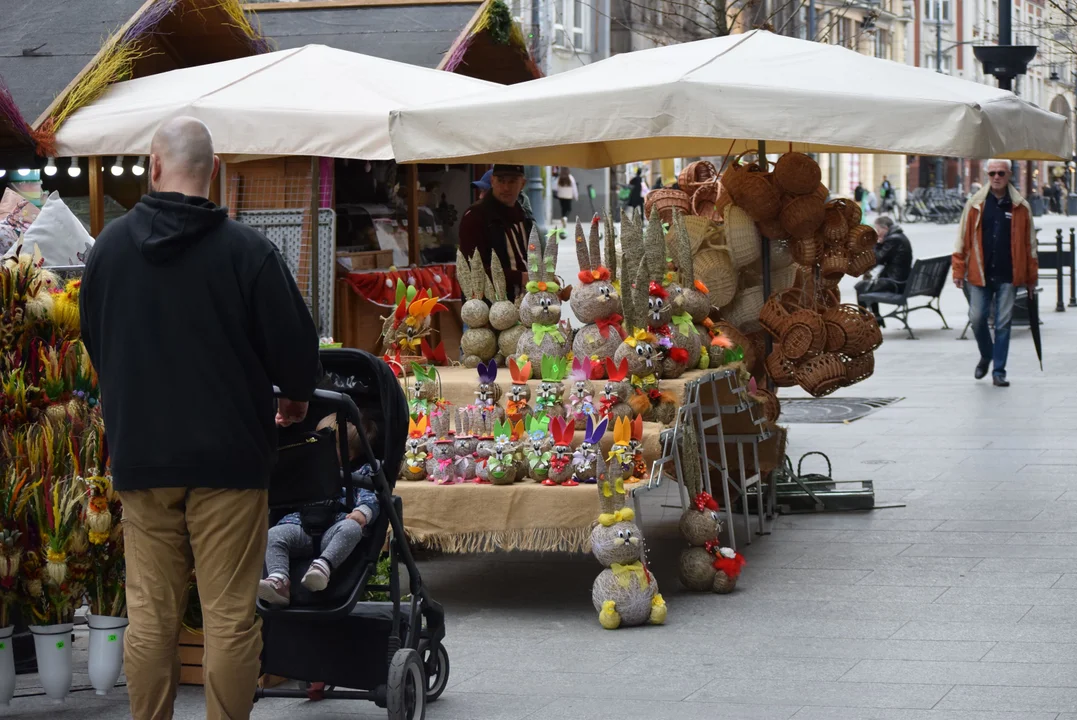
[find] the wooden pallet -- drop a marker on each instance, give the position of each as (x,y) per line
(192,648)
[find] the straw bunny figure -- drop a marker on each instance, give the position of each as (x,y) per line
(620,463)
(581,397)
(659,303)
(483,427)
(561,470)
(539,448)
(596,302)
(488,392)
(441,467)
(465,443)
(518,406)
(639,349)
(504,315)
(625,593)
(588,466)
(425,391)
(540,309)
(415,450)
(549,398)
(500,466)
(691,304)
(639,465)
(479,342)
(613,400)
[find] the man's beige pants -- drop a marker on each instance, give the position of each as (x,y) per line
(222,535)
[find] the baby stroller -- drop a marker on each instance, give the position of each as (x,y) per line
(389,652)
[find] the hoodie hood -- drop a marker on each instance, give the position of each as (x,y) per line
(166,224)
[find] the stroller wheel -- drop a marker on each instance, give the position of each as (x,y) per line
(437,669)
(406,689)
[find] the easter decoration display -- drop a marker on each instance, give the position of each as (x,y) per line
(504,315)
(518,404)
(635,444)
(549,397)
(424,395)
(595,302)
(478,342)
(499,468)
(561,458)
(465,444)
(539,448)
(587,463)
(581,402)
(690,299)
(673,359)
(540,309)
(415,450)
(624,593)
(406,331)
(616,391)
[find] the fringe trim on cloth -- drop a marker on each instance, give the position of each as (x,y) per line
(566,540)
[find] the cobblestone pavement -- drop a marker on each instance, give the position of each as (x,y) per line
(958,606)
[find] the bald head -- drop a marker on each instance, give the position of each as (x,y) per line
(181,157)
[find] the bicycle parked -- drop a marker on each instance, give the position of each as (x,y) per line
(941,206)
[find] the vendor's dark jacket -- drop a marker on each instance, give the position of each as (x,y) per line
(190,318)
(489,225)
(894,253)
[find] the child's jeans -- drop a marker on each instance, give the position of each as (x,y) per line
(288,541)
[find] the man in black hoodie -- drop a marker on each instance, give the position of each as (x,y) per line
(190,318)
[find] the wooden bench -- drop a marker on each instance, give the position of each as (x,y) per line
(927,279)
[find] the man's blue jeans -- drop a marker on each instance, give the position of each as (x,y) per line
(1000,297)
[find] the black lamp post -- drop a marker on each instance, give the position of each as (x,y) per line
(1005,61)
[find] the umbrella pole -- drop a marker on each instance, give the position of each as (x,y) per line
(315,208)
(766,262)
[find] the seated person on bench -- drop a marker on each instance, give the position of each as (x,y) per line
(893,254)
(288,540)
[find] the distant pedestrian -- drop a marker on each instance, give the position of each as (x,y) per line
(886,193)
(861,197)
(893,256)
(995,253)
(566,191)
(636,190)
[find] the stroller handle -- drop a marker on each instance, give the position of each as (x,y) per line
(341,403)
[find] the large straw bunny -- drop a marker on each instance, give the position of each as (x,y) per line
(674,359)
(540,309)
(596,302)
(691,305)
(625,593)
(504,315)
(479,342)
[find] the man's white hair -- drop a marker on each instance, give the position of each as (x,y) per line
(1003,161)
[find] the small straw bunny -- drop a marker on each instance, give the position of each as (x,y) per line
(465,443)
(561,469)
(518,406)
(588,466)
(581,397)
(500,466)
(550,396)
(539,448)
(415,450)
(596,302)
(613,400)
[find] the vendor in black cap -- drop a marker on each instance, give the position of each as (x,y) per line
(499,223)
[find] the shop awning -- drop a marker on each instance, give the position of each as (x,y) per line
(309,101)
(720,96)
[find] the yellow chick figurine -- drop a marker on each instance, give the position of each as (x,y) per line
(611,619)
(658,610)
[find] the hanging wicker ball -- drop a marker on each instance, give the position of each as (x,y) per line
(780,368)
(714,268)
(696,174)
(805,251)
(696,570)
(835,226)
(803,336)
(475,313)
(723,584)
(802,215)
(797,173)
(633,603)
(821,375)
(699,527)
(503,315)
(666,200)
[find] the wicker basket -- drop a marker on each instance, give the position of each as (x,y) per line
(752,189)
(804,335)
(801,216)
(861,262)
(834,261)
(858,369)
(739,339)
(835,226)
(823,192)
(703,233)
(851,330)
(665,200)
(783,278)
(780,368)
(742,237)
(861,237)
(714,268)
(773,229)
(805,251)
(776,310)
(744,310)
(797,173)
(710,201)
(821,375)
(853,214)
(696,174)
(758,339)
(772,407)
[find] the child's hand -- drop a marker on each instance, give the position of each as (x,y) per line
(357,517)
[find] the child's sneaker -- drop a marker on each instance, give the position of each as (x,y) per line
(316,578)
(275,591)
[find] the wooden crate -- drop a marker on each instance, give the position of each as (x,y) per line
(192,650)
(366,259)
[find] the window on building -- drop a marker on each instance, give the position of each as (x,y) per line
(932,7)
(841,32)
(883,41)
(570,25)
(947,63)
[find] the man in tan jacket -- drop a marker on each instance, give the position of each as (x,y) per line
(995,254)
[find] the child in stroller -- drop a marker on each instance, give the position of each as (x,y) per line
(288,540)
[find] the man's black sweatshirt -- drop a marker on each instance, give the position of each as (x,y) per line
(190,318)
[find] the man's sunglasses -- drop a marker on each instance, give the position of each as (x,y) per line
(997,173)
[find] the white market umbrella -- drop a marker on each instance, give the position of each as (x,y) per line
(718,97)
(310,101)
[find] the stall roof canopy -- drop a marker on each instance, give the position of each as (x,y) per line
(475,38)
(719,96)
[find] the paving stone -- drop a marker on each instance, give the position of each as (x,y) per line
(1023,699)
(1054,674)
(844,694)
(1004,595)
(1032,652)
(907,577)
(604,709)
(836,713)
